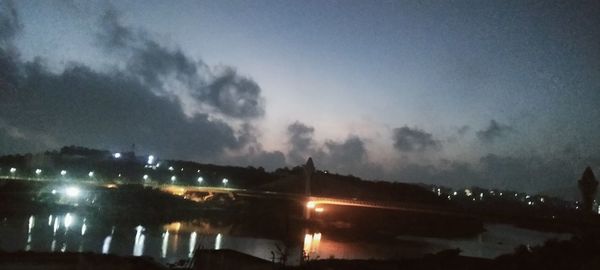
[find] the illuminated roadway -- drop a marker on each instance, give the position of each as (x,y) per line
(181,190)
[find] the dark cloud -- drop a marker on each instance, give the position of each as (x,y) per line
(346,157)
(300,142)
(494,131)
(462,131)
(171,72)
(10,24)
(413,140)
(113,109)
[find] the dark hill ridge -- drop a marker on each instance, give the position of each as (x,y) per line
(79,161)
(335,185)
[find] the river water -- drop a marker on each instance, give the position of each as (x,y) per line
(174,241)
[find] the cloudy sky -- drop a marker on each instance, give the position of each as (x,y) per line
(491,93)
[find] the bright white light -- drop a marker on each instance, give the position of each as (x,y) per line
(200,179)
(38,171)
(218,241)
(145,177)
(31,223)
(163,247)
(13,170)
(171,168)
(54,191)
(91,174)
(117,155)
(72,191)
(106,244)
(455,193)
(68,220)
(83,228)
(225,181)
(63,172)
(192,244)
(311,204)
(138,245)
(468,192)
(150,159)
(173,178)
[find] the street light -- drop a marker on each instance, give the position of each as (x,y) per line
(63,172)
(173,178)
(38,172)
(13,170)
(145,177)
(91,174)
(117,155)
(200,179)
(311,204)
(225,181)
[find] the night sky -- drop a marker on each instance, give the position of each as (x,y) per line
(502,94)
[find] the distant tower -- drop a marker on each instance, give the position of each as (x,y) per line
(309,169)
(587,185)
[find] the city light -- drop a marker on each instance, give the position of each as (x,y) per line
(173,178)
(225,181)
(72,191)
(319,209)
(117,155)
(63,172)
(311,204)
(200,179)
(13,170)
(145,177)
(171,168)
(150,159)
(91,174)
(38,171)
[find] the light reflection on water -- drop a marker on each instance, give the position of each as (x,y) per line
(171,242)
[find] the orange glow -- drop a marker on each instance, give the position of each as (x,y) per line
(111,186)
(319,209)
(311,204)
(175,226)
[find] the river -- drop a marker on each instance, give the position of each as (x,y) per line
(177,240)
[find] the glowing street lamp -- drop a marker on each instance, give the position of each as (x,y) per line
(150,159)
(200,179)
(38,172)
(225,181)
(13,170)
(145,177)
(63,172)
(72,191)
(173,178)
(117,155)
(311,205)
(91,174)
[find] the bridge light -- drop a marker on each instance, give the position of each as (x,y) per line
(173,178)
(150,159)
(311,204)
(72,191)
(200,179)
(38,171)
(63,172)
(225,181)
